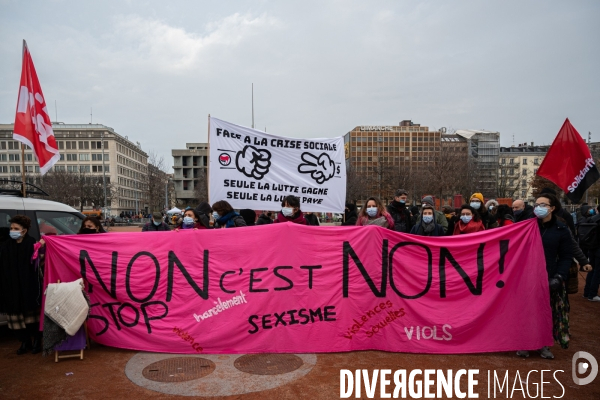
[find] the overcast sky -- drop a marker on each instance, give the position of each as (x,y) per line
(154,70)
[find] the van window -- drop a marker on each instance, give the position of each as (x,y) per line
(58,223)
(5,216)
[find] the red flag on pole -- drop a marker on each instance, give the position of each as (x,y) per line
(569,163)
(32,122)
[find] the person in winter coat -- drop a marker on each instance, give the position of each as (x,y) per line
(428,225)
(374,213)
(225,216)
(487,219)
(156,225)
(264,219)
(558,252)
(311,219)
(190,220)
(492,206)
(469,222)
(249,216)
(290,211)
(399,212)
(452,218)
(440,218)
(204,212)
(20,285)
(522,211)
(504,215)
(350,215)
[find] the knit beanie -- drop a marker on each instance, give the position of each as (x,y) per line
(477,196)
(427,200)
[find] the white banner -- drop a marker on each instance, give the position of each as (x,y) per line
(252,169)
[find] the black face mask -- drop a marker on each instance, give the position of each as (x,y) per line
(88,230)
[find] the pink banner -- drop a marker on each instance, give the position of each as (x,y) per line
(289,288)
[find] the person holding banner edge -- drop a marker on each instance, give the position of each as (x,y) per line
(558,252)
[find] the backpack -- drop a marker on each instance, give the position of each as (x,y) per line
(588,233)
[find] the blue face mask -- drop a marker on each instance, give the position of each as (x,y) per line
(188,221)
(15,234)
(475,205)
(541,212)
(402,201)
(215,215)
(157,223)
(466,218)
(427,219)
(371,211)
(592,211)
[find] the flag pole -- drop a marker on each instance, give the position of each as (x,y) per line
(24,190)
(208,163)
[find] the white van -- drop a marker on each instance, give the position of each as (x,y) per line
(47,218)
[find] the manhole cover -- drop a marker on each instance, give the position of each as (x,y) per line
(178,369)
(268,364)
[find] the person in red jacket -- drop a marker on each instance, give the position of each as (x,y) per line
(469,221)
(290,211)
(504,215)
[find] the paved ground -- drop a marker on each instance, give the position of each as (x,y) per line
(114,373)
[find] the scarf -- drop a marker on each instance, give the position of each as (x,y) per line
(473,226)
(228,220)
(381,221)
(427,228)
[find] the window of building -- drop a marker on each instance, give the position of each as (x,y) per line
(28,157)
(62,157)
(13,145)
(523,193)
(535,161)
(14,157)
(61,144)
(524,183)
(504,161)
(511,161)
(524,171)
(84,157)
(84,145)
(535,171)
(524,160)
(15,169)
(84,168)
(71,145)
(3,157)
(71,168)
(96,144)
(3,145)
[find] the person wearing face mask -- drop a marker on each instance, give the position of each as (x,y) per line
(20,285)
(350,215)
(204,212)
(157,224)
(522,211)
(439,216)
(399,212)
(562,213)
(469,221)
(90,225)
(428,225)
(225,217)
(374,213)
(558,252)
(492,206)
(190,220)
(486,218)
(290,211)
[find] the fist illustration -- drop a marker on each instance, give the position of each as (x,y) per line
(252,162)
(321,169)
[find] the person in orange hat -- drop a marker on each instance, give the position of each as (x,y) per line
(487,219)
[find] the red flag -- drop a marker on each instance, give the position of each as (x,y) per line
(569,163)
(32,122)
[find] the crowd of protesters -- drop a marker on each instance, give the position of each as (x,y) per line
(563,240)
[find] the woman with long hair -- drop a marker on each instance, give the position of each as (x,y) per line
(225,216)
(375,213)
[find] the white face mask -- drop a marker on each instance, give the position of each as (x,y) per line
(371,211)
(287,211)
(475,205)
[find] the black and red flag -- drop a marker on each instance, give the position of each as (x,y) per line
(569,163)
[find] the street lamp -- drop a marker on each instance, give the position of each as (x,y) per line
(166,194)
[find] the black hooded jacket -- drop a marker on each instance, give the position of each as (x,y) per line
(350,216)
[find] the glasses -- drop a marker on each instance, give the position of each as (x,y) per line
(542,205)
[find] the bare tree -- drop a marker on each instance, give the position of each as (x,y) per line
(356,188)
(201,186)
(509,181)
(155,182)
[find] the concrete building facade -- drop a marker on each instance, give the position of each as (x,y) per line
(190,167)
(80,146)
(518,165)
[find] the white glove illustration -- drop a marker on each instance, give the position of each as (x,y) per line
(252,162)
(321,169)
